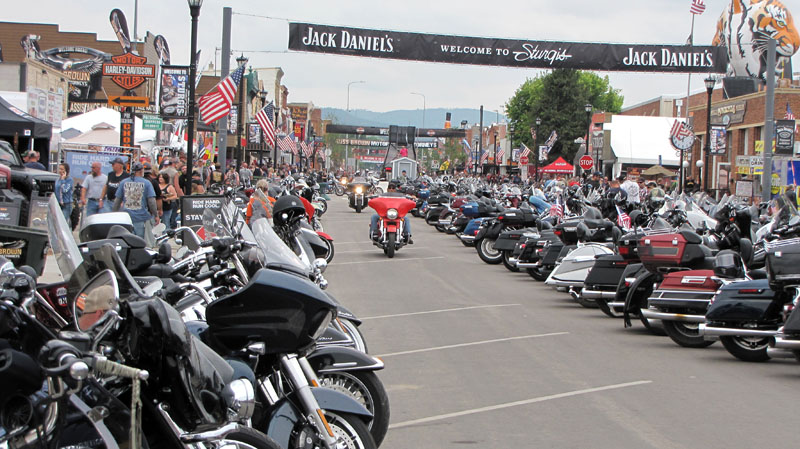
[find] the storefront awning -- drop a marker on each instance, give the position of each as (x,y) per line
(641,140)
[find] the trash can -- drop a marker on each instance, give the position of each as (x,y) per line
(24,246)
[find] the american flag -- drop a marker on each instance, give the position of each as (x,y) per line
(484,157)
(556,209)
(623,220)
(789,114)
(307,150)
(679,130)
(697,7)
(217,103)
(500,153)
(552,139)
(265,119)
(525,151)
(286,144)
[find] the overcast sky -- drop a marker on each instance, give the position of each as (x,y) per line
(323,79)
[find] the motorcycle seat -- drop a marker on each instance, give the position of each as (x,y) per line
(130,239)
(597,223)
(691,237)
(757,274)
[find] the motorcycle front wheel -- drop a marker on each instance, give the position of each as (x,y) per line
(355,334)
(329,252)
(338,190)
(366,388)
(390,242)
(247,438)
(324,207)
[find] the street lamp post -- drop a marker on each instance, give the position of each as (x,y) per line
(194,10)
(511,141)
(424,107)
(588,109)
(263,95)
(241,60)
(536,150)
(347,143)
(707,150)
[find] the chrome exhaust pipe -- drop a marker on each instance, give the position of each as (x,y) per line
(713,331)
(779,353)
(683,318)
(780,342)
(527,265)
(575,295)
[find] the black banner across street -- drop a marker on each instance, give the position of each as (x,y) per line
(506,52)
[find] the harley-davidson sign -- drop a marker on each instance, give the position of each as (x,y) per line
(506,52)
(129,71)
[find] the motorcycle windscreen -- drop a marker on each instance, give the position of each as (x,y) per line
(275,252)
(65,250)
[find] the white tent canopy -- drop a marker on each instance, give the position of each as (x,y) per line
(641,140)
(86,122)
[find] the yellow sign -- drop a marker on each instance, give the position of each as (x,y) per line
(760,146)
(776,183)
(743,170)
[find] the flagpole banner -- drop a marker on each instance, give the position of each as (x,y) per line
(173,100)
(506,52)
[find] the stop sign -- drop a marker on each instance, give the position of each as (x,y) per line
(523,160)
(586,162)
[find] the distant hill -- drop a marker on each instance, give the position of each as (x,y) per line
(434,118)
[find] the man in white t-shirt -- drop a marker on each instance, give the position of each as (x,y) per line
(632,189)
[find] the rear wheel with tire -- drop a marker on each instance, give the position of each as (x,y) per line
(358,209)
(748,349)
(443,228)
(685,334)
(487,253)
(368,390)
(506,263)
(390,242)
(602,304)
(324,206)
(329,252)
(537,274)
(586,302)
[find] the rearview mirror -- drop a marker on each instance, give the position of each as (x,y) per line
(92,304)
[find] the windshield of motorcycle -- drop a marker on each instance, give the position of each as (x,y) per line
(273,248)
(65,250)
(213,226)
(784,211)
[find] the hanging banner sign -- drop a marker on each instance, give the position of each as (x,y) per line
(506,52)
(784,137)
(719,140)
(174,96)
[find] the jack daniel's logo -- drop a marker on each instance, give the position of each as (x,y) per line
(348,40)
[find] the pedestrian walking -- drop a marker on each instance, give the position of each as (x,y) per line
(245,175)
(137,198)
(92,194)
(114,177)
(169,201)
(65,187)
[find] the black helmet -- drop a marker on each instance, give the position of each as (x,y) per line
(287,208)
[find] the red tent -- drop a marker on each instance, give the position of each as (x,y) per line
(558,166)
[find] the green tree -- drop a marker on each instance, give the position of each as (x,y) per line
(559,98)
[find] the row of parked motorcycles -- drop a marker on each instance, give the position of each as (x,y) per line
(229,341)
(689,267)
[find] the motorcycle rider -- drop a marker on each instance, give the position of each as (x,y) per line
(373,224)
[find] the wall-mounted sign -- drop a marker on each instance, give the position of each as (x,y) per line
(729,114)
(299,113)
(129,71)
(152,122)
(506,52)
(173,99)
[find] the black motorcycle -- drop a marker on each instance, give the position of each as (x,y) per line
(358,191)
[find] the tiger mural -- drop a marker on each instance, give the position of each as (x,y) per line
(743,29)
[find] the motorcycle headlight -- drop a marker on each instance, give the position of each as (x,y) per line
(322,324)
(359,189)
(391,214)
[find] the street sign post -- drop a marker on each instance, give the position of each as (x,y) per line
(152,122)
(586,162)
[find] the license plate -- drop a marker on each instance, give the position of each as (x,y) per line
(570,229)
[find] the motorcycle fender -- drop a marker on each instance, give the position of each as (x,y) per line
(391,226)
(284,415)
(332,359)
(644,280)
(344,312)
(482,231)
(325,236)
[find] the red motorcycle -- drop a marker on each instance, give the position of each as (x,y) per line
(391,211)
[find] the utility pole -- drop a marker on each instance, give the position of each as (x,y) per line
(769,122)
(225,67)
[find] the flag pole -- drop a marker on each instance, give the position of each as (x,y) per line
(686,112)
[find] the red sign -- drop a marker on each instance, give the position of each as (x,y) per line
(586,162)
(129,71)
(523,160)
(360,130)
(431,132)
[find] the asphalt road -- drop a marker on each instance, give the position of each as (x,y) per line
(477,356)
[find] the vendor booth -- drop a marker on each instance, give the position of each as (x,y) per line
(559,166)
(31,132)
